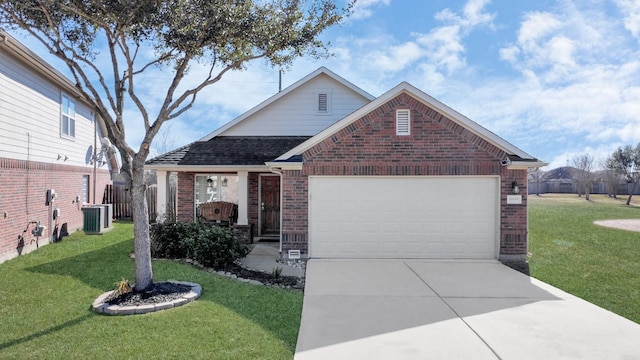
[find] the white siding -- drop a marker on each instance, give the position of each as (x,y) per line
(297,113)
(30,119)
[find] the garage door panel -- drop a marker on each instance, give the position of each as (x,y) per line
(403,217)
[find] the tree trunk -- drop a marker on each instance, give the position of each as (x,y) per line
(632,189)
(142,244)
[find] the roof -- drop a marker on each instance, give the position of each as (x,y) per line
(229,151)
(322,70)
(404,87)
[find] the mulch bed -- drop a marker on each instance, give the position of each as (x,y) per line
(164,291)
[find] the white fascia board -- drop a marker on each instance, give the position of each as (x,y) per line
(422,96)
(287,90)
(208,168)
(284,165)
(526,165)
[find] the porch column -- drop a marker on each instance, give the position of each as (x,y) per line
(243,198)
(161,195)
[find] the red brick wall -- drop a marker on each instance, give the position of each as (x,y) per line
(369,146)
(294,209)
(23,189)
(253,199)
(513,218)
(185,197)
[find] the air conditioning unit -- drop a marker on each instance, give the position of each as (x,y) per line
(93,219)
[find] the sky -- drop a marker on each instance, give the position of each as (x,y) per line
(557,79)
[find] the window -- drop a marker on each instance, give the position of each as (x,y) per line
(85,188)
(215,187)
(68,125)
(403,122)
(323,105)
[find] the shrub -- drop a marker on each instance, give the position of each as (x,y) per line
(170,240)
(209,245)
(218,248)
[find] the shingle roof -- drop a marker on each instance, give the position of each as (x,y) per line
(230,150)
(170,158)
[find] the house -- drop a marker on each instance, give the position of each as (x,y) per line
(334,172)
(47,141)
(568,180)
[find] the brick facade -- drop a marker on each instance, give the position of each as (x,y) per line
(23,189)
(185,197)
(437,146)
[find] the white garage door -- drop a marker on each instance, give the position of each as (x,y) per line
(403,217)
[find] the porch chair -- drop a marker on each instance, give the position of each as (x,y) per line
(221,213)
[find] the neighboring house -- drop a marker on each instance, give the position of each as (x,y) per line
(47,137)
(335,173)
(566,180)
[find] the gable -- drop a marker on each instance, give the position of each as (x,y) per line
(433,140)
(297,112)
(512,157)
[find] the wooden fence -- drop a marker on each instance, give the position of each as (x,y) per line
(120,197)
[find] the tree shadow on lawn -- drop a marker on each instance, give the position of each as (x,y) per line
(102,268)
(45,332)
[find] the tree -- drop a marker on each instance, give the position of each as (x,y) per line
(584,163)
(222,35)
(536,175)
(610,176)
(626,162)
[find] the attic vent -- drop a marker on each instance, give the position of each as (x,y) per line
(323,102)
(402,122)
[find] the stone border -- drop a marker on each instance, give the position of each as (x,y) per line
(103,308)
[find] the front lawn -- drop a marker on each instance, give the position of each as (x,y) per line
(45,300)
(598,264)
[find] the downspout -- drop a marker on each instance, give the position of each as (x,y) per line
(95,156)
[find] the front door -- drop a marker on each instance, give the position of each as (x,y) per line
(270,205)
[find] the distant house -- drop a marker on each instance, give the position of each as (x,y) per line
(566,180)
(47,140)
(330,171)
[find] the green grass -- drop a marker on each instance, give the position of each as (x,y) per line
(598,264)
(45,300)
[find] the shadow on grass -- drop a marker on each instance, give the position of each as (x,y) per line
(45,332)
(100,269)
(270,308)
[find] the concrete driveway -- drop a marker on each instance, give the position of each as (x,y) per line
(422,309)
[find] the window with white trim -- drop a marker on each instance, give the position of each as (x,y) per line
(403,122)
(68,118)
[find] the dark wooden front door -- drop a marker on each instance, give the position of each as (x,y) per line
(270,205)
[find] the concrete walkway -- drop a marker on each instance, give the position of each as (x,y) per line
(265,258)
(418,309)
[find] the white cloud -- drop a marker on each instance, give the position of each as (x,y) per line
(364,8)
(631,16)
(395,58)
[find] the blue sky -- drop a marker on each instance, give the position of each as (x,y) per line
(555,78)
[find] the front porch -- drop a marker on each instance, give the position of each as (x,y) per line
(257,195)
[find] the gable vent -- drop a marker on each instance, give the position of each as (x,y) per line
(323,102)
(402,122)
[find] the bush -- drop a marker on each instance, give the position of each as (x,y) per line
(218,248)
(209,245)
